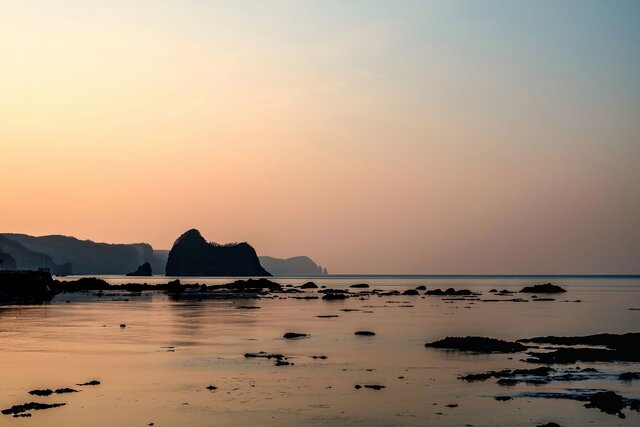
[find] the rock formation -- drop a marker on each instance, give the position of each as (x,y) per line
(192,255)
(143,270)
(295,266)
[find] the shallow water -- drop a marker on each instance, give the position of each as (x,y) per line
(64,343)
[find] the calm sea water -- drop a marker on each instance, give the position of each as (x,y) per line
(143,381)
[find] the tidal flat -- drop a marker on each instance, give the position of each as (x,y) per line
(156,360)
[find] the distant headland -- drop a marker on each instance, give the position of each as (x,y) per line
(67,255)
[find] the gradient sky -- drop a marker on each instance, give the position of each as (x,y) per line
(375,137)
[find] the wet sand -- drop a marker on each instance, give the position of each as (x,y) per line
(157,368)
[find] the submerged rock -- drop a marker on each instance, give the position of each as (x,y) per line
(547,288)
(477,345)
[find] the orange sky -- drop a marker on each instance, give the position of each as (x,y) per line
(379,139)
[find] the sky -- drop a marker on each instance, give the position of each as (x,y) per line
(396,137)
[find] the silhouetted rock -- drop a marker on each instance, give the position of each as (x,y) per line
(450,292)
(92,382)
(65,390)
(143,270)
(212,388)
(82,284)
(502,398)
(42,392)
(25,287)
(250,285)
(623,347)
(359,286)
(191,255)
(410,292)
(309,285)
(292,335)
(374,386)
(365,333)
(542,371)
(421,288)
(607,401)
(629,376)
(477,345)
(551,424)
(547,288)
(330,297)
(295,266)
(31,406)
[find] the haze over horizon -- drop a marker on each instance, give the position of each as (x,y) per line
(375,137)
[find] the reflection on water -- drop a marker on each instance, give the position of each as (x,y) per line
(157,368)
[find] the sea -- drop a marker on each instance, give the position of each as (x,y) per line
(166,362)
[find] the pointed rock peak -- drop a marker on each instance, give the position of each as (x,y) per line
(192,235)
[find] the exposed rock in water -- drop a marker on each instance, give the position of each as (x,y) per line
(327,316)
(92,382)
(41,392)
(247,307)
(421,288)
(547,288)
(551,424)
(65,390)
(542,371)
(143,270)
(359,286)
(502,398)
(309,285)
(25,287)
(450,292)
(623,347)
(334,297)
(365,333)
(477,345)
(265,355)
(212,388)
(411,292)
(607,401)
(191,255)
(374,386)
(293,335)
(629,376)
(249,285)
(31,406)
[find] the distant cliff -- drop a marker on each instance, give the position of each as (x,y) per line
(7,262)
(17,256)
(192,255)
(86,256)
(295,266)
